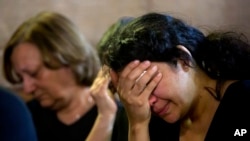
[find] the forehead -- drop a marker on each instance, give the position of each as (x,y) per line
(25,55)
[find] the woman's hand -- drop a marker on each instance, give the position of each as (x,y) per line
(135,85)
(103,98)
(103,127)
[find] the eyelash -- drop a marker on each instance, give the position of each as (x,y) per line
(34,74)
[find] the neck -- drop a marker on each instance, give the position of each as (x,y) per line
(198,121)
(201,112)
(79,104)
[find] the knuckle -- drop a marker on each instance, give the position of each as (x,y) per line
(130,77)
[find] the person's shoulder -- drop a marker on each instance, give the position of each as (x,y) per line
(5,93)
(232,113)
(9,99)
(14,118)
(240,89)
(246,84)
(236,99)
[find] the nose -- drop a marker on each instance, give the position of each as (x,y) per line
(28,85)
(152,100)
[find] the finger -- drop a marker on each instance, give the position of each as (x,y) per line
(120,79)
(128,76)
(144,79)
(129,68)
(105,70)
(152,85)
(134,73)
(100,85)
(100,72)
(104,83)
(141,75)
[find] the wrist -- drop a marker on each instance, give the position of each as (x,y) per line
(106,117)
(139,131)
(138,126)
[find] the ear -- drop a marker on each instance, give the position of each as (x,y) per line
(184,64)
(114,77)
(183,48)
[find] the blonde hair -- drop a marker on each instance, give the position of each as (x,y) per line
(60,43)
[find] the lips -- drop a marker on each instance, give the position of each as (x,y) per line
(162,110)
(38,96)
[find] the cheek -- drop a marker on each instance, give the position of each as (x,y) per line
(167,90)
(48,82)
(161,90)
(54,77)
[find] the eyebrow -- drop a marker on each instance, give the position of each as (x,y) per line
(30,70)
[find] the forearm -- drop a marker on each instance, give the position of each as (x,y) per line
(139,132)
(102,129)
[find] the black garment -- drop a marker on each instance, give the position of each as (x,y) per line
(160,130)
(49,128)
(15,120)
(232,114)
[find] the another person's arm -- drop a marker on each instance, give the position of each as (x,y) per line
(103,127)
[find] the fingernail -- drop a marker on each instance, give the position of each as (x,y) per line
(159,74)
(154,68)
(136,61)
(146,62)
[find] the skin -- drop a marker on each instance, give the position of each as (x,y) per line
(103,126)
(58,90)
(46,85)
(172,92)
(166,97)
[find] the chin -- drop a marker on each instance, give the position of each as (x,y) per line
(46,104)
(170,118)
